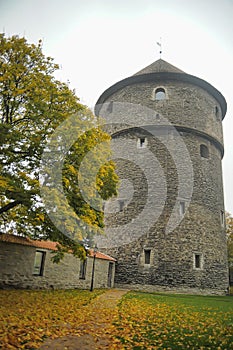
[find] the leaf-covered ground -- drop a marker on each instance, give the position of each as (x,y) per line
(153,321)
(29,317)
(142,321)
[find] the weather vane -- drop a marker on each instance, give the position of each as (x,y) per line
(159,43)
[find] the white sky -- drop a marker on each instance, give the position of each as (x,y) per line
(99,42)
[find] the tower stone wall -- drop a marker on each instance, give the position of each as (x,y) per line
(166,227)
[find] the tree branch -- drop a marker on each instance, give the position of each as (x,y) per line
(10,206)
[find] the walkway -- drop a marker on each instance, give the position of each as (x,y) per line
(97,328)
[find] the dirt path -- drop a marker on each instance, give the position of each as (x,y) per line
(95,332)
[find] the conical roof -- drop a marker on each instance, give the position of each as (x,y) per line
(161,70)
(159,66)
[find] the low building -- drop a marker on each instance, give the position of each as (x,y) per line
(27,264)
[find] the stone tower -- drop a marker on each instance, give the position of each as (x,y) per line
(166,228)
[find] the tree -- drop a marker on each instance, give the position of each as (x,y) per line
(33,104)
(229,231)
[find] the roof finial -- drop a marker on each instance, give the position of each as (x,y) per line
(159,43)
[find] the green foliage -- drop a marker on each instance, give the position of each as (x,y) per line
(32,106)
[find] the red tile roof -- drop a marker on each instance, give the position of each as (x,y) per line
(9,238)
(100,255)
(27,241)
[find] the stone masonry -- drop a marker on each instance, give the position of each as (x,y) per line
(17,261)
(167,142)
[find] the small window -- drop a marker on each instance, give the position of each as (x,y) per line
(204,151)
(182,208)
(222,218)
(160,94)
(147,253)
(142,142)
(83,268)
(197,261)
(121,204)
(39,261)
(217,112)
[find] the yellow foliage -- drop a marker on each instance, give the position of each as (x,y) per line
(40,217)
(5,184)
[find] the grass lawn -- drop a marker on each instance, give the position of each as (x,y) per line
(159,321)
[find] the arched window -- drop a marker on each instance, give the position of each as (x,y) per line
(204,151)
(160,94)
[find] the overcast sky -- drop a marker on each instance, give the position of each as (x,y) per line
(100,42)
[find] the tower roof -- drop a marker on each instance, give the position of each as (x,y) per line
(159,66)
(158,71)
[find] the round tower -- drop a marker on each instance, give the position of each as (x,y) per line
(166,228)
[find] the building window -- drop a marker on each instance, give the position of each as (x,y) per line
(159,94)
(182,207)
(222,218)
(142,142)
(217,112)
(121,204)
(110,274)
(197,261)
(147,254)
(39,261)
(204,151)
(83,268)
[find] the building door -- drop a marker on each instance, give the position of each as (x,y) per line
(110,270)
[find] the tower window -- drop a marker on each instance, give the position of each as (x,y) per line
(121,204)
(197,261)
(147,254)
(182,208)
(160,94)
(204,151)
(217,112)
(142,142)
(222,217)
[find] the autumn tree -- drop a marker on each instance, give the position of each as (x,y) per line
(33,104)
(229,230)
